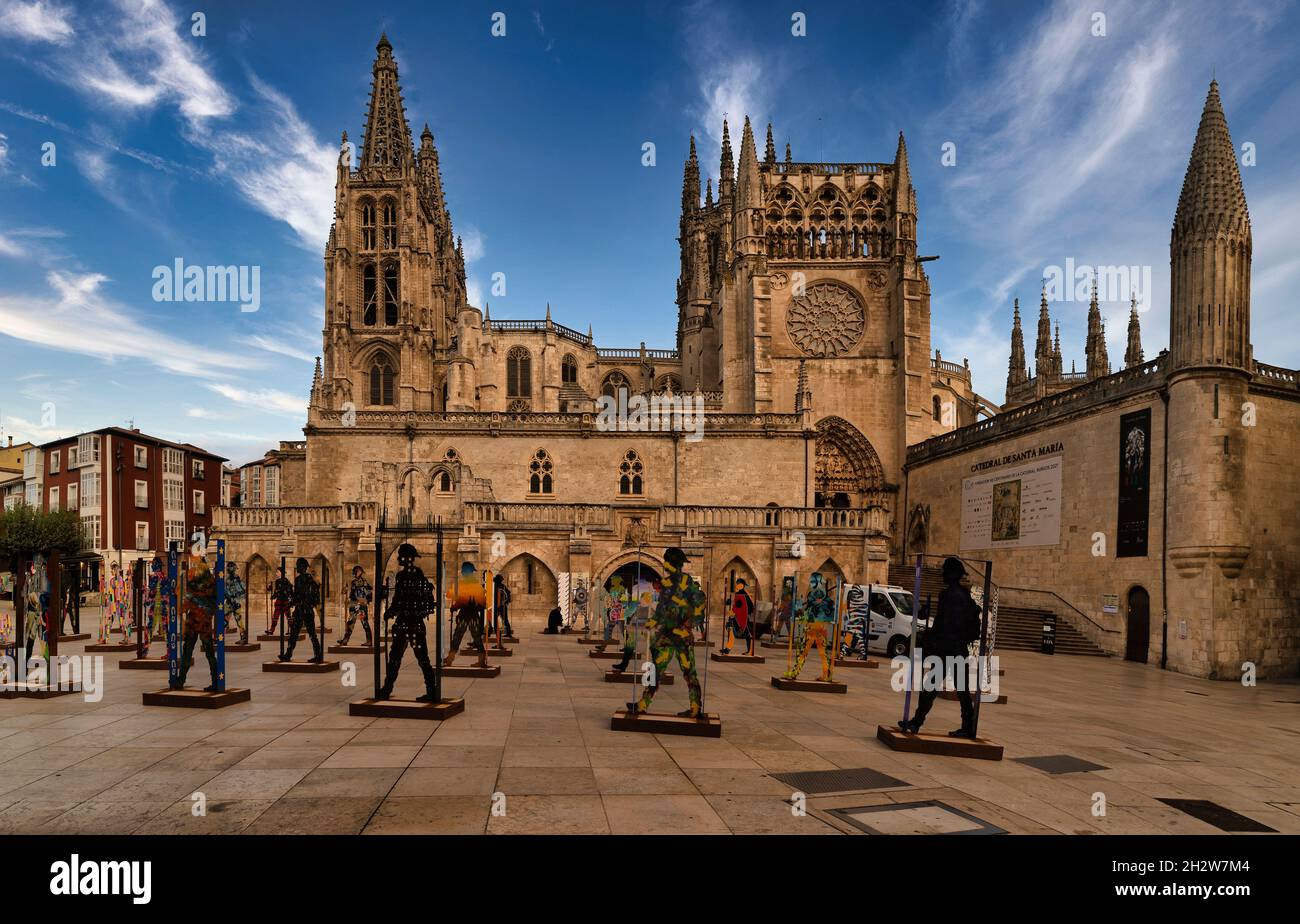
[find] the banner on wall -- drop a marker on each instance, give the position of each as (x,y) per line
(1012,508)
(1133,519)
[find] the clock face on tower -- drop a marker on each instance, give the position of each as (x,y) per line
(826,320)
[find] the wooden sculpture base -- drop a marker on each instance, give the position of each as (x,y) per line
(78,637)
(351,649)
(707,725)
(924,743)
(299,667)
(197,699)
(242,647)
(736,659)
(406,709)
(607,655)
(856,662)
(810,686)
(455,670)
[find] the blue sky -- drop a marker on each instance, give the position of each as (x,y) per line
(220,149)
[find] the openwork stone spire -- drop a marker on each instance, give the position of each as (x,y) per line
(1095,348)
(388,136)
(1016,371)
(691,181)
(1133,355)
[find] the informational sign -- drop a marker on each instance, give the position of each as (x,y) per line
(1012,508)
(1110,603)
(1134,484)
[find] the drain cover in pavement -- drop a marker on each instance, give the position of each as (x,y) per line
(1214,814)
(929,817)
(1060,763)
(820,781)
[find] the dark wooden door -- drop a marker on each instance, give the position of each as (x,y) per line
(1138,640)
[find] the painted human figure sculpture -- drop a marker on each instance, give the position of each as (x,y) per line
(817,615)
(501,604)
(157,591)
(411,604)
(306,596)
(37,598)
(236,595)
(956,625)
(468,602)
(115,604)
(672,626)
(360,593)
(614,611)
(199,612)
(740,619)
(281,591)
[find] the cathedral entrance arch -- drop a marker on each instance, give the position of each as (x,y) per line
(848,467)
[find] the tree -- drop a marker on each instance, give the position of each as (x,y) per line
(25,531)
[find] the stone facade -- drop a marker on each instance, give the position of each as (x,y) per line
(1219,569)
(801,374)
(810,428)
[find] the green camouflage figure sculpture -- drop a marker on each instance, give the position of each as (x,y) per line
(671,630)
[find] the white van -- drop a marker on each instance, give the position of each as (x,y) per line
(888,629)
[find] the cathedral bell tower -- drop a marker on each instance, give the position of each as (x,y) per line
(394,273)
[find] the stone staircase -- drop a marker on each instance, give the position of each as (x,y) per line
(1020,628)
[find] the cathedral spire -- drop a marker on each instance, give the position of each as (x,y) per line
(708,193)
(747,208)
(1043,345)
(1095,347)
(1016,372)
(1210,253)
(769,153)
(691,182)
(903,177)
(725,169)
(388,136)
(1133,355)
(747,183)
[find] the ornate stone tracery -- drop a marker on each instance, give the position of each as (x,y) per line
(826,320)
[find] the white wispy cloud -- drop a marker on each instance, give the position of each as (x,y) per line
(282,171)
(136,57)
(475,243)
(279,347)
(266,399)
(732,82)
(37,21)
(76,317)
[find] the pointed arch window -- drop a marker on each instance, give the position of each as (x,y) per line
(369,295)
(519,374)
(541,474)
(631,475)
(444,482)
(381,382)
(615,383)
(388,224)
(367,225)
(391,292)
(569,370)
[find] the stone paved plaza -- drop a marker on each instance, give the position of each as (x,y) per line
(293,761)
